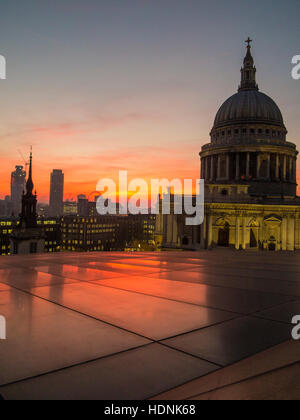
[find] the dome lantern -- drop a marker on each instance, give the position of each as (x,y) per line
(249,105)
(248,71)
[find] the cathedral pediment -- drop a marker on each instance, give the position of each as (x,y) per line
(272,219)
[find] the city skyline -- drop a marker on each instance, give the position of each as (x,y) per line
(92,100)
(149,202)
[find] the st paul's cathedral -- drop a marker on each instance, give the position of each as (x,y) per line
(249,170)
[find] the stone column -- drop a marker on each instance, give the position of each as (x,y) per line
(175,231)
(248,165)
(202,168)
(294,169)
(206,169)
(291,234)
(244,233)
(237,166)
(219,166)
(257,165)
(169,229)
(210,232)
(269,166)
(297,232)
(227,166)
(260,232)
(202,233)
(284,168)
(277,166)
(283,233)
(237,233)
(212,167)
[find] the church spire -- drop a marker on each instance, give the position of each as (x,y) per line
(248,71)
(28,216)
(29,183)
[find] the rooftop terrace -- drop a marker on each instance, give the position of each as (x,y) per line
(209,324)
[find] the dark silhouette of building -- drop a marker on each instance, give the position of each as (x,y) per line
(43,210)
(70,208)
(6,226)
(56,204)
(50,227)
(27,237)
(100,233)
(17,186)
(139,231)
(107,233)
(6,207)
(86,208)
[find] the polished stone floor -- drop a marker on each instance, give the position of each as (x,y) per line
(133,326)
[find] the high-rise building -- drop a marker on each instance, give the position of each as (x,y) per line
(17,187)
(56,205)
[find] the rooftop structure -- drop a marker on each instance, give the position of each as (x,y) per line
(145,325)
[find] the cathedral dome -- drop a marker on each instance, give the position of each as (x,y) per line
(248,142)
(248,106)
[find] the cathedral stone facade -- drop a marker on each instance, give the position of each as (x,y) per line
(249,169)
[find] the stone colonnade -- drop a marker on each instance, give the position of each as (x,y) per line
(265,229)
(248,165)
(243,231)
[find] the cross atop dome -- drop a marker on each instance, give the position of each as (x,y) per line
(248,41)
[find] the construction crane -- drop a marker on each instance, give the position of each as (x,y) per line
(26,162)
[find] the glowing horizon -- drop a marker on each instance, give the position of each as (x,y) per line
(137,88)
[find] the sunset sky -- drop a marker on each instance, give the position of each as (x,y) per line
(96,86)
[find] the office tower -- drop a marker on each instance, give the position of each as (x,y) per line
(17,188)
(56,205)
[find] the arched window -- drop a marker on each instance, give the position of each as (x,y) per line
(223,235)
(185,240)
(263,168)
